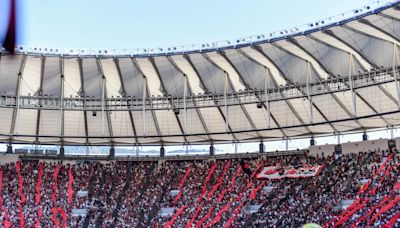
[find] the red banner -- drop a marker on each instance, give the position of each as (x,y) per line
(54,186)
(1,188)
(235,214)
(177,197)
(21,194)
(371,211)
(221,178)
(392,221)
(39,183)
(254,191)
(40,214)
(217,218)
(199,223)
(196,213)
(279,172)
(70,185)
(6,221)
(210,173)
(384,209)
(350,212)
(222,194)
(174,217)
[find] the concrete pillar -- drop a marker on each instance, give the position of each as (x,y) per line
(9,149)
(261,147)
(312,141)
(365,136)
(112,152)
(162,151)
(212,150)
(62,151)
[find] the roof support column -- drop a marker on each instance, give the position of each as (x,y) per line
(185,131)
(144,104)
(18,104)
(225,102)
(266,89)
(308,81)
(353,94)
(62,108)
(103,84)
(396,81)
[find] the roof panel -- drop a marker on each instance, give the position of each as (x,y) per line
(74,123)
(377,51)
(6,119)
(72,79)
(52,77)
(92,81)
(131,77)
(9,69)
(171,79)
(50,123)
(30,81)
(113,82)
(212,77)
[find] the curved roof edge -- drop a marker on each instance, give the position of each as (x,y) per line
(288,33)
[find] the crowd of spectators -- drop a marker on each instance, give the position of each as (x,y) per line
(202,193)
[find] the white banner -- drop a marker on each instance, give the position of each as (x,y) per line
(279,172)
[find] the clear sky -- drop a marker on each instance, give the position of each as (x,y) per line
(141,24)
(104,24)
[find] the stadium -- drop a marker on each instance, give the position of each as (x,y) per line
(335,76)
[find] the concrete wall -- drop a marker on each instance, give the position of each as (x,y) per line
(8,158)
(327,150)
(397,143)
(355,147)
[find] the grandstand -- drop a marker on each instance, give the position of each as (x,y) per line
(335,76)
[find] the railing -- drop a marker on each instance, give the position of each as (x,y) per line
(331,85)
(167,158)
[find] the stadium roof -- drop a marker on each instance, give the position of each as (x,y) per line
(333,77)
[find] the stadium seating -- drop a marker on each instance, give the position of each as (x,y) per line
(350,190)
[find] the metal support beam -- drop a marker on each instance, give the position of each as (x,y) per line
(185,129)
(266,89)
(83,94)
(40,93)
(309,97)
(165,89)
(15,118)
(189,90)
(62,82)
(225,102)
(116,62)
(204,86)
(146,92)
(395,74)
(351,83)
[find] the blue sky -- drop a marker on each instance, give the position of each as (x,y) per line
(135,24)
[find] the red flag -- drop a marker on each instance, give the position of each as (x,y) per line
(177,197)
(174,217)
(1,187)
(54,186)
(196,213)
(39,183)
(6,221)
(40,214)
(221,178)
(198,224)
(70,185)
(219,215)
(9,42)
